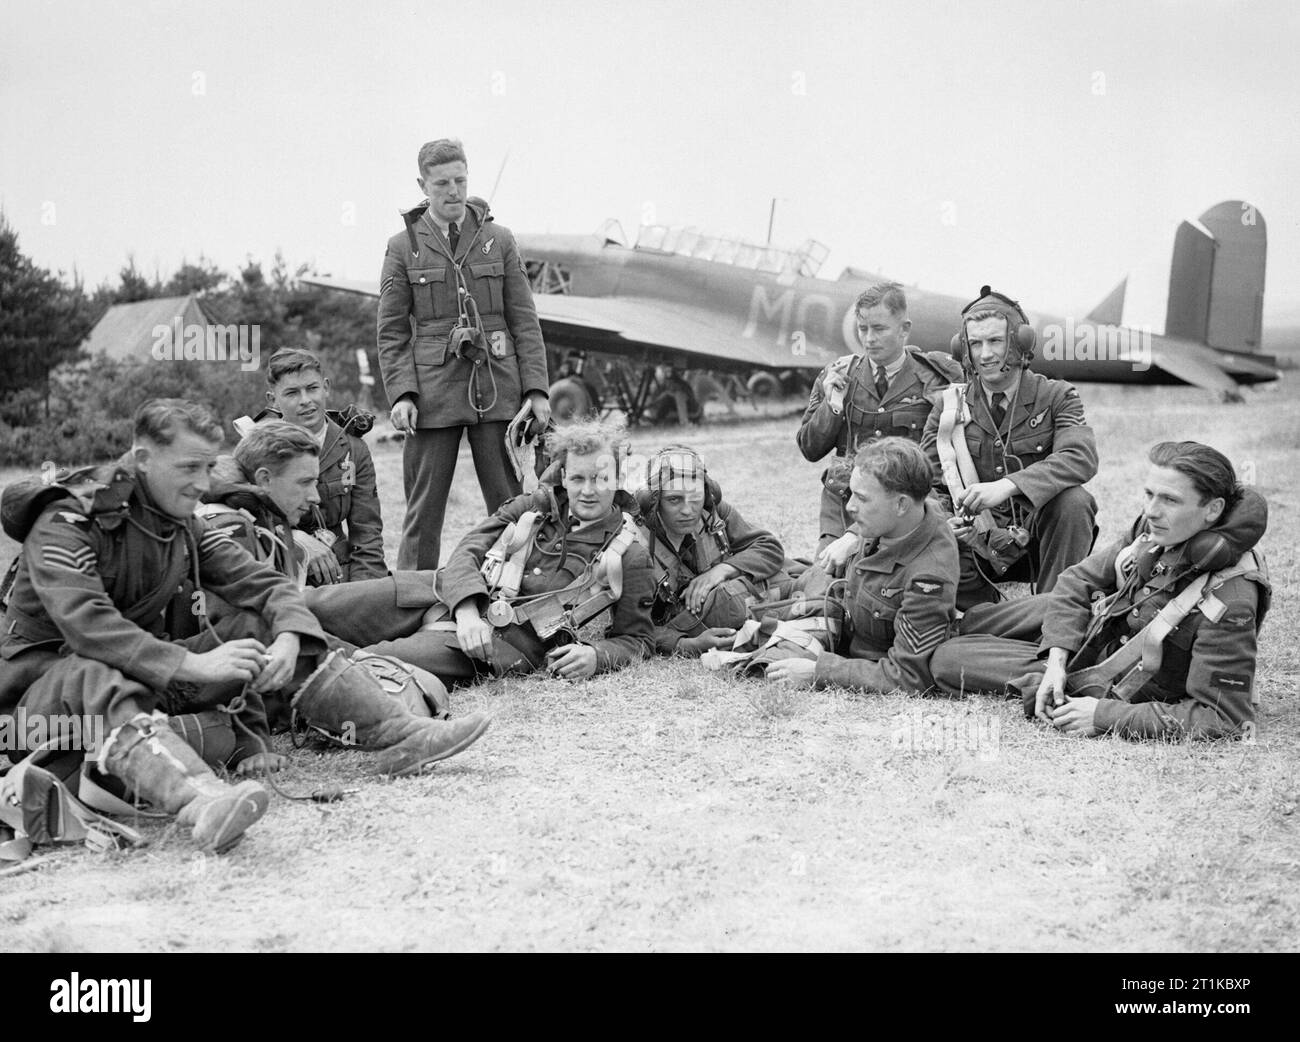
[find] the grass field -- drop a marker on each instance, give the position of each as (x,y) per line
(663,808)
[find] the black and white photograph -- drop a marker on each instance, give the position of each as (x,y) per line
(664,477)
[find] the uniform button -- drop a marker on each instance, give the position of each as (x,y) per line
(1038,448)
(1134,612)
(997,470)
(422,280)
(1123,640)
(537,571)
(998,444)
(881,409)
(877,614)
(877,434)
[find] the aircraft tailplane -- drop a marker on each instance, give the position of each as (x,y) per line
(1216,279)
(1110,312)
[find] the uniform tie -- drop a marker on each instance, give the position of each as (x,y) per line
(882,383)
(453,236)
(999,409)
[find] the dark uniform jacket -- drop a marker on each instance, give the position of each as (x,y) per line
(1207,672)
(901,604)
(418,308)
(98,570)
(1045,444)
(724,538)
(865,418)
(559,555)
(348,496)
(239,509)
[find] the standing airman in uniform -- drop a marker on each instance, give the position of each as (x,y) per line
(885,391)
(1032,451)
(1154,636)
(460,348)
(347,520)
(521,584)
(900,596)
(710,564)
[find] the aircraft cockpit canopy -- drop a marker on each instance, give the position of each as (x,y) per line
(804,262)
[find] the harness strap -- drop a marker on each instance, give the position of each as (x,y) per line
(503,564)
(1138,660)
(954,454)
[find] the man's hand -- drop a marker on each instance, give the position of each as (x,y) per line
(1051,689)
(281,660)
(717,637)
(322,566)
(259,763)
(984,495)
(473,632)
(962,529)
(834,556)
(572,661)
(835,383)
(797,672)
(699,588)
(541,406)
(241,660)
(403,415)
(1076,716)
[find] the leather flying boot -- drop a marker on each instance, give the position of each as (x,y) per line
(346,702)
(155,762)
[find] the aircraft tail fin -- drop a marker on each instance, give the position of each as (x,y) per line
(1110,312)
(1216,279)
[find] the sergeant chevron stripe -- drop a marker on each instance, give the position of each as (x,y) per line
(75,559)
(923,640)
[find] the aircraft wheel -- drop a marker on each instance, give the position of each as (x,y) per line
(765,387)
(569,400)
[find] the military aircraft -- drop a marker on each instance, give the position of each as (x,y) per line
(621,322)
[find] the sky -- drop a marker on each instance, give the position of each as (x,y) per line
(1047,148)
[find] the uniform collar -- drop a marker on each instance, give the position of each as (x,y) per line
(892,370)
(887,558)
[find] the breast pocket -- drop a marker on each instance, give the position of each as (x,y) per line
(874,616)
(487,284)
(908,421)
(428,292)
(1030,448)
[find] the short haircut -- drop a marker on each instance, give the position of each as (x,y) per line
(444,150)
(289,360)
(272,444)
(1209,470)
(898,464)
(890,294)
(159,420)
(585,438)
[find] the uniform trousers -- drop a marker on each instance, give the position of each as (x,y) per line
(428,464)
(1061,534)
(999,650)
(76,685)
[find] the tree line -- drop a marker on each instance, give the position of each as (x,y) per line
(59,404)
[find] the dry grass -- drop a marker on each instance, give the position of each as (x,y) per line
(664,808)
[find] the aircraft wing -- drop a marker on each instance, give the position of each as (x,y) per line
(665,332)
(651,331)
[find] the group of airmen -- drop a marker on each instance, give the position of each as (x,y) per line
(197,601)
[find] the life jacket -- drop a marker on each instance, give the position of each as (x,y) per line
(599,587)
(102,494)
(1215,556)
(37,809)
(1000,547)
